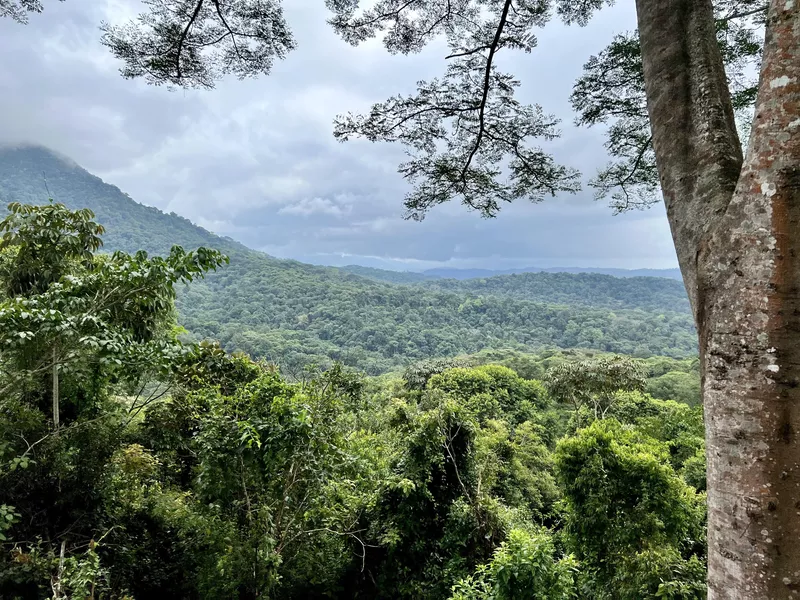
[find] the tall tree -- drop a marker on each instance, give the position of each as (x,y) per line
(734,218)
(671,104)
(64,308)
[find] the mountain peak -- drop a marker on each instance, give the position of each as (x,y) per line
(29,173)
(38,149)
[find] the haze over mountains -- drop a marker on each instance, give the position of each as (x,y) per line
(452,273)
(296,313)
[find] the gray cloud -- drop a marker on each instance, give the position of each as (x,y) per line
(256,159)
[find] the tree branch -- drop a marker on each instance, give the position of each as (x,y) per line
(184,34)
(230,31)
(468,52)
(742,15)
(637,162)
(486,86)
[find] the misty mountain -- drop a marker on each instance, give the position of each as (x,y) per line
(296,314)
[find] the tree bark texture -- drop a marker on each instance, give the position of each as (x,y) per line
(736,227)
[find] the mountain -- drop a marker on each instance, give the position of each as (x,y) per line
(29,174)
(296,314)
(466,274)
(446,273)
(388,276)
(575,289)
(596,290)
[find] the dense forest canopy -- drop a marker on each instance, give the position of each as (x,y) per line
(296,314)
(455,273)
(674,95)
(135,465)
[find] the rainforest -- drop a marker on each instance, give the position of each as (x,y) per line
(200,420)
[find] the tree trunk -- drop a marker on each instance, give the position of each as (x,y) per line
(56,410)
(736,228)
(57,584)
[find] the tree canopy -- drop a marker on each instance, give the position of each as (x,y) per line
(466,135)
(180,470)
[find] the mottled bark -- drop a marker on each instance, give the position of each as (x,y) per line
(737,233)
(698,151)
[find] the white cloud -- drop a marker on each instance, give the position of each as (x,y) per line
(311,206)
(256,159)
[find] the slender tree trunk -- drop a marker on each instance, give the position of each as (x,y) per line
(57,585)
(736,226)
(56,410)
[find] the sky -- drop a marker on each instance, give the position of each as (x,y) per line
(256,160)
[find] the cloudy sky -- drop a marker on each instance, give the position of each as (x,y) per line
(256,160)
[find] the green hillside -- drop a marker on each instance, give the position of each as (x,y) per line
(28,172)
(589,289)
(294,313)
(388,276)
(649,293)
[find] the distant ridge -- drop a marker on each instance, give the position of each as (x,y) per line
(447,273)
(27,171)
(464,274)
(389,275)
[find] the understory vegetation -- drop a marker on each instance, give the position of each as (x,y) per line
(137,465)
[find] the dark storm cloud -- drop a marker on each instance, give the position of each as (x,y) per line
(256,160)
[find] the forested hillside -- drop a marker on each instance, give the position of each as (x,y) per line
(28,174)
(388,276)
(308,314)
(136,466)
(449,273)
(589,289)
(649,293)
(296,314)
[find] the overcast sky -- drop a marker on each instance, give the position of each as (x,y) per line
(256,160)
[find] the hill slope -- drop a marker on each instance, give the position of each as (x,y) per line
(388,276)
(648,293)
(28,172)
(296,313)
(299,314)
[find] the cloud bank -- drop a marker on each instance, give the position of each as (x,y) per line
(255,160)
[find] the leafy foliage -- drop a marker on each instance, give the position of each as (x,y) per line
(595,382)
(629,515)
(524,567)
(611,91)
(17,9)
(46,239)
(183,471)
(466,133)
(69,310)
(193,43)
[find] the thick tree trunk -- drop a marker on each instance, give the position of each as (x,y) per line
(737,233)
(752,348)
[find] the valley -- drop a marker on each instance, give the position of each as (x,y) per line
(297,314)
